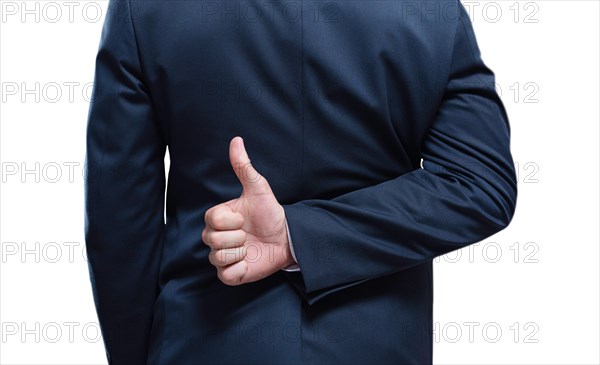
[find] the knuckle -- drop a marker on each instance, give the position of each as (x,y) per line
(211,258)
(219,258)
(212,216)
(219,219)
(208,214)
(215,220)
(210,238)
(228,278)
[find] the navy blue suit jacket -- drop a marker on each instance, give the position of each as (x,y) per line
(376,124)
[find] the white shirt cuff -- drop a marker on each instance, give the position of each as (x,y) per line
(293,267)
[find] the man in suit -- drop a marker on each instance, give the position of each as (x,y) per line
(372,141)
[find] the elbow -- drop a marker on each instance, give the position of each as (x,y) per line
(508,196)
(502,205)
(489,203)
(508,207)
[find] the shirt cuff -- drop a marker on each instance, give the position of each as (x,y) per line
(293,267)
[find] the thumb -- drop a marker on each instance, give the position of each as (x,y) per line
(251,180)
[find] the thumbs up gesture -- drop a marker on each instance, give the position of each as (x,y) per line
(247,235)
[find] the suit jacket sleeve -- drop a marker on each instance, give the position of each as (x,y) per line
(124,192)
(465,191)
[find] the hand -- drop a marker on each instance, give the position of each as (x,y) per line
(247,235)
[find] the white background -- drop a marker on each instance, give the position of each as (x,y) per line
(527,295)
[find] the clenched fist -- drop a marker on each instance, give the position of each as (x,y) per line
(247,235)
